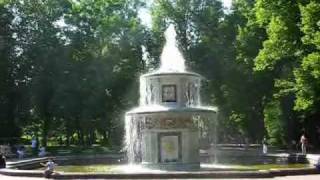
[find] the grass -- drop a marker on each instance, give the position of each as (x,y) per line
(278,166)
(257,167)
(79,150)
(86,168)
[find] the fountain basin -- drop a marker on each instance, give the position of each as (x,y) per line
(68,170)
(166,138)
(172,73)
(165,109)
(172,89)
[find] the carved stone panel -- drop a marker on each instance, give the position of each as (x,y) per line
(168,123)
(169,147)
(169,93)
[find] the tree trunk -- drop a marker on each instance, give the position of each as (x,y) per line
(105,136)
(80,137)
(45,131)
(68,138)
(68,133)
(92,137)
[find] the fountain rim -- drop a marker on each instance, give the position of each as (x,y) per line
(172,73)
(234,173)
(141,110)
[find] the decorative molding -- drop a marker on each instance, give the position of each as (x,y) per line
(168,123)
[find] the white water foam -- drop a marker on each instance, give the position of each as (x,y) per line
(171,58)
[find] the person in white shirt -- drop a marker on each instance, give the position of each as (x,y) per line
(304,142)
(42,152)
(50,165)
(34,146)
(20,153)
(264,146)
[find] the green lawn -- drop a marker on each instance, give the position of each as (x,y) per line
(79,150)
(257,167)
(87,168)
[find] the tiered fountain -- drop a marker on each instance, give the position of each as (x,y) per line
(163,131)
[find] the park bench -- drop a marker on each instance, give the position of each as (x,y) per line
(6,150)
(27,163)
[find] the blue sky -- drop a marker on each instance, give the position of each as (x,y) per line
(145,16)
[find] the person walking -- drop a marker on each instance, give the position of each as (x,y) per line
(264,146)
(2,161)
(34,145)
(20,152)
(42,152)
(317,165)
(304,142)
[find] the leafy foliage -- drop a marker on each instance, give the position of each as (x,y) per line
(308,74)
(69,69)
(274,123)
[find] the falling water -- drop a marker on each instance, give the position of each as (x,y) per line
(171,57)
(143,94)
(132,139)
(171,61)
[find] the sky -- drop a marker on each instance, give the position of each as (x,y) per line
(227,3)
(145,15)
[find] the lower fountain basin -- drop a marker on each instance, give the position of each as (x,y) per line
(167,138)
(101,166)
(165,109)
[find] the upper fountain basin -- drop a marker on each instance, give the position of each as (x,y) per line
(170,88)
(172,73)
(166,109)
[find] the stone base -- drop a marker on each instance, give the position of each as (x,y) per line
(171,148)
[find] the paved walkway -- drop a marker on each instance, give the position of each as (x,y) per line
(305,177)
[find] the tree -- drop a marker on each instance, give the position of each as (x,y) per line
(308,74)
(207,36)
(105,46)
(37,37)
(307,81)
(9,127)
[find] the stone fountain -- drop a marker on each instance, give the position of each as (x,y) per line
(163,132)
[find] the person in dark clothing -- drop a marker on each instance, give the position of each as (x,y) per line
(2,161)
(317,165)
